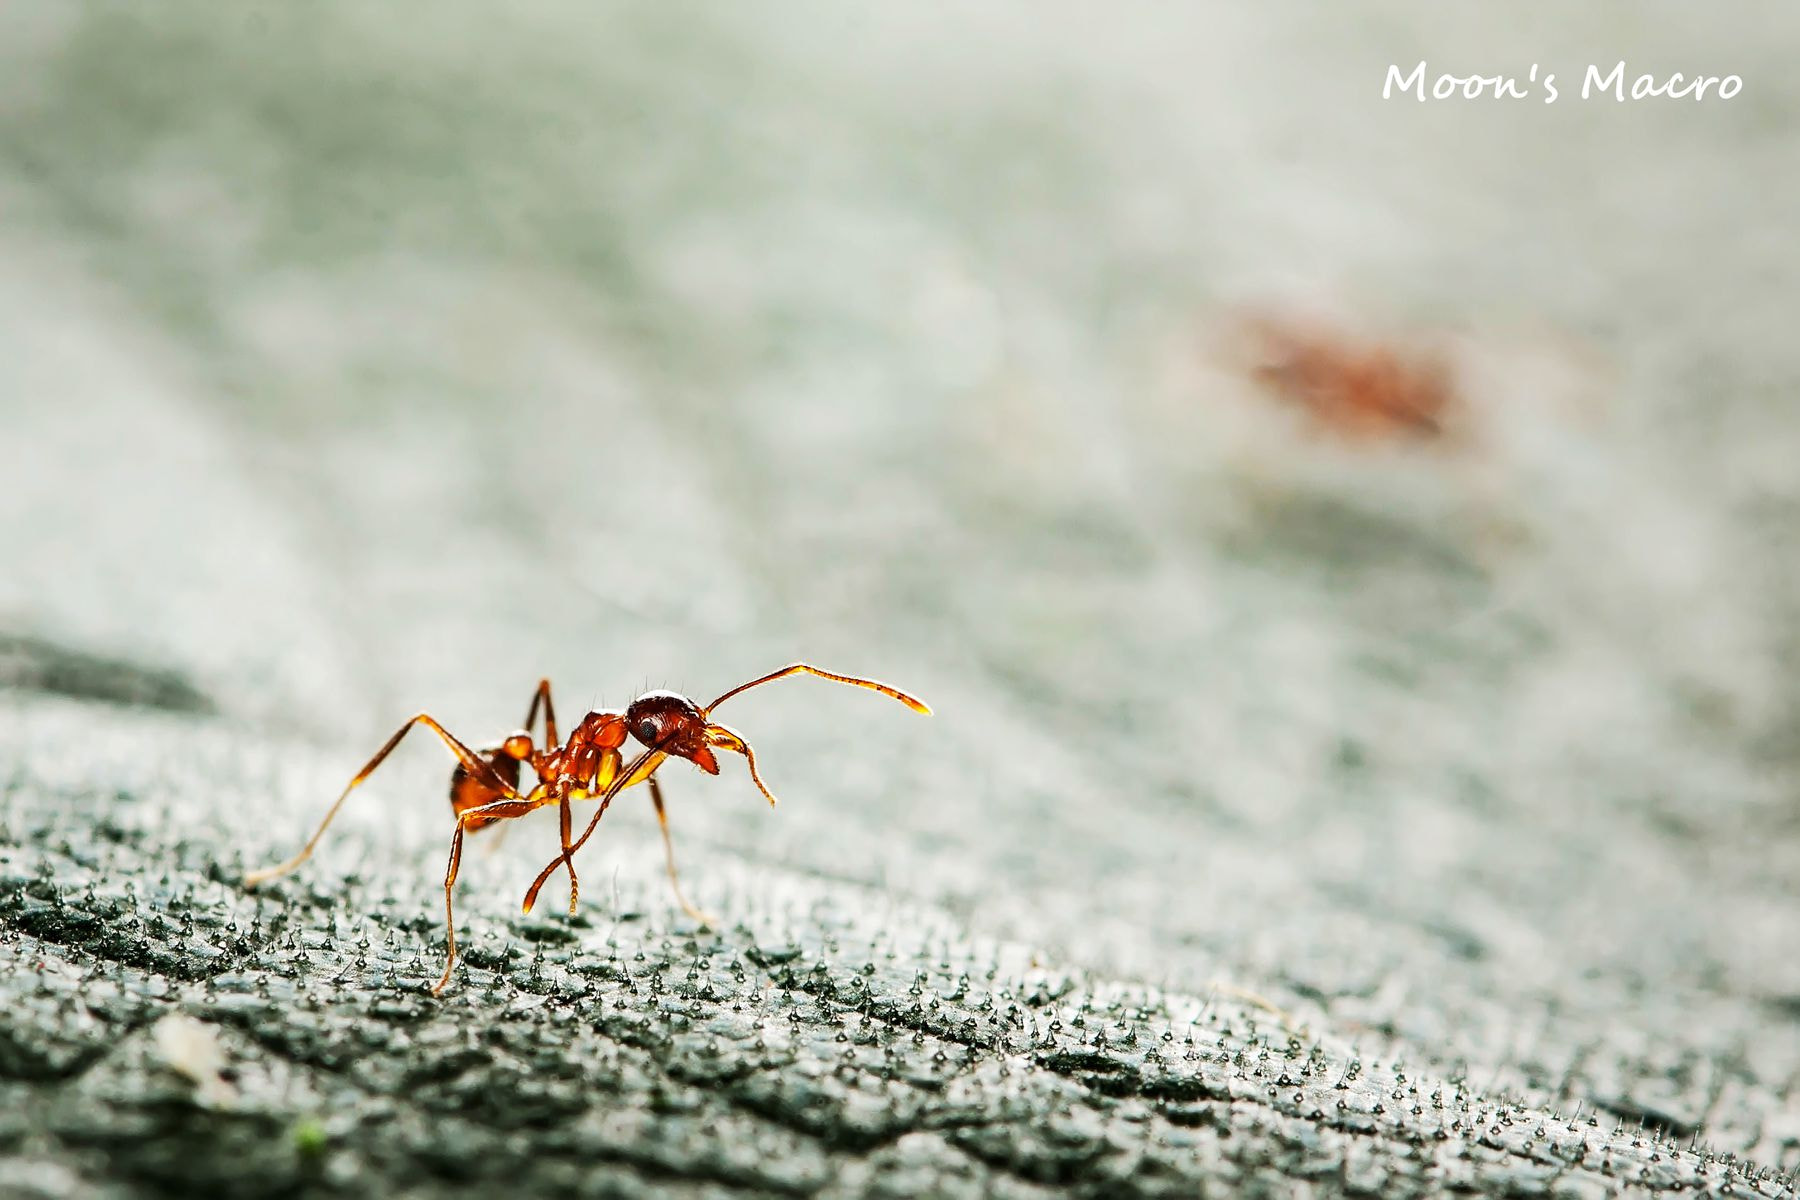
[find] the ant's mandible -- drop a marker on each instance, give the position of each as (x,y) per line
(484,787)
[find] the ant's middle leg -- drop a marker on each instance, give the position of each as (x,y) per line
(471,762)
(500,810)
(450,908)
(568,859)
(662,821)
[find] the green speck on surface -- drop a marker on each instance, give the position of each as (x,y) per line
(309,1138)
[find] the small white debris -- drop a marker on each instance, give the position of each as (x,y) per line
(190,1048)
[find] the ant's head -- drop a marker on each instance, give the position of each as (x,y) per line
(675,725)
(672,723)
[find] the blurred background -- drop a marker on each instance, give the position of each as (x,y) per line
(352,364)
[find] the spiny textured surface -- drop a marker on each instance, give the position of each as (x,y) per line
(820,1046)
(1298,818)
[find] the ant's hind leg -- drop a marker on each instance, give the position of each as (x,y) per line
(540,700)
(541,697)
(472,763)
(662,821)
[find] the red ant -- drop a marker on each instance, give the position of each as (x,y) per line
(484,787)
(1359,391)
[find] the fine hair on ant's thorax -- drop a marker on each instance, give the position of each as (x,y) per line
(486,785)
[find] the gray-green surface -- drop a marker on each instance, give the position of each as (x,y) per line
(352,364)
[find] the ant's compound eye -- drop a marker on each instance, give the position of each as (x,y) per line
(646,732)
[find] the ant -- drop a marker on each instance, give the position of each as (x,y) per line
(484,787)
(1358,391)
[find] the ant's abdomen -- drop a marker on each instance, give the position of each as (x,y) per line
(469,791)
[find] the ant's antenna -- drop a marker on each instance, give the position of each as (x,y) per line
(918,706)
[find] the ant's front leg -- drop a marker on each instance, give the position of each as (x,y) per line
(616,780)
(606,771)
(473,766)
(662,821)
